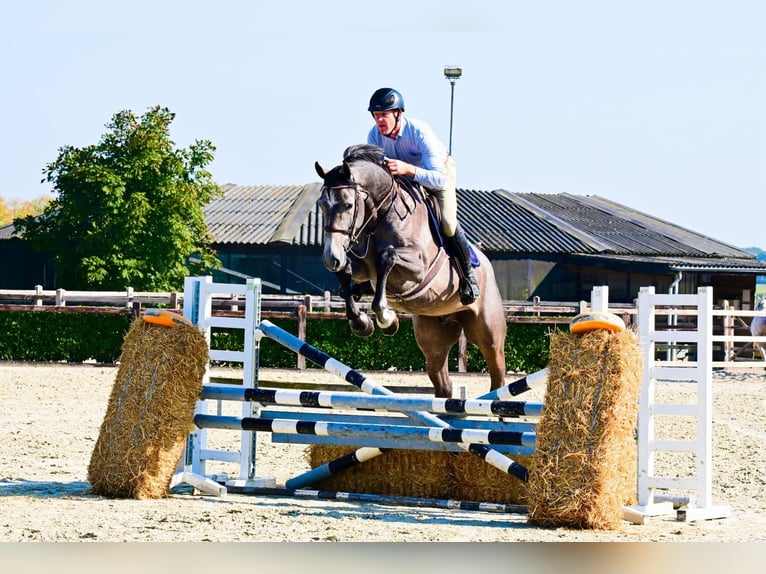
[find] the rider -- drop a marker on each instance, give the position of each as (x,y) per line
(412,150)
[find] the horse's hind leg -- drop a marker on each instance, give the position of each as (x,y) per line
(435,339)
(488,332)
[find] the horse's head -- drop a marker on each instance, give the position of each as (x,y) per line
(350,194)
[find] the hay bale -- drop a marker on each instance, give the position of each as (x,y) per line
(422,474)
(583,469)
(150,411)
(475,480)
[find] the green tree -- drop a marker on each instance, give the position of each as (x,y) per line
(129,210)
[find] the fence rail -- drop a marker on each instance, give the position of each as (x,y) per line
(730,324)
(320,306)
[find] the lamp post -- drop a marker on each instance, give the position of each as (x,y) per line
(452,73)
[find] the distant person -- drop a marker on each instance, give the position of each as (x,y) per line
(412,150)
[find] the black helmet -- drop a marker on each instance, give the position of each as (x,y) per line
(386,99)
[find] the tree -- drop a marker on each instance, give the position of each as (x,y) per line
(20,208)
(128,210)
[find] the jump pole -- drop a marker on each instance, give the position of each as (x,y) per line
(518,386)
(391,500)
(368,385)
(365,430)
(354,400)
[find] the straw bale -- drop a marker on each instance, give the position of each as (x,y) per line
(475,480)
(583,469)
(150,411)
(422,474)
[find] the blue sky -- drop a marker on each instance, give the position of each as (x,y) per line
(658,105)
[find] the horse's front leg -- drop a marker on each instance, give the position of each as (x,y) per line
(384,315)
(359,323)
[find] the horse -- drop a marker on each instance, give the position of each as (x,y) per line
(758,325)
(379,232)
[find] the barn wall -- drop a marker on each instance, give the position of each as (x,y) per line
(22,268)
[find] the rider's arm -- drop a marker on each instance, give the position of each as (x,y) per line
(432,155)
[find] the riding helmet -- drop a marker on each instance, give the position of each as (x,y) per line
(385,99)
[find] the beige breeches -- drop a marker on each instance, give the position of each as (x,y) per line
(447,199)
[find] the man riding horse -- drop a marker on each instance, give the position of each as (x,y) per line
(412,150)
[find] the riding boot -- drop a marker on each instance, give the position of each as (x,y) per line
(469,286)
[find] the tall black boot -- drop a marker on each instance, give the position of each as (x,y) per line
(469,286)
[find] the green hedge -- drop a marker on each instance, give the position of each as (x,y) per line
(77,337)
(62,336)
(526,347)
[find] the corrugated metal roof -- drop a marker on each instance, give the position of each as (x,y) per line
(694,264)
(501,223)
(504,222)
(7,231)
(564,223)
(259,214)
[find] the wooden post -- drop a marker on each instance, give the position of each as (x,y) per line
(728,330)
(462,363)
(301,334)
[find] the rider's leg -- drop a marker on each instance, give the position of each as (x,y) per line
(469,286)
(455,239)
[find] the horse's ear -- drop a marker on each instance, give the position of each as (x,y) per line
(346,170)
(320,171)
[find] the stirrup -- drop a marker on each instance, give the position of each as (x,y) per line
(469,292)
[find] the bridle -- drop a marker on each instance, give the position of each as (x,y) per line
(375,212)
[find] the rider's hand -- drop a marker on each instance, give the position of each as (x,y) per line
(398,167)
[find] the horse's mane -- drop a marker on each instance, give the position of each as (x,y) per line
(363,152)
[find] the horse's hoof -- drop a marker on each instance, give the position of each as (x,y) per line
(391,329)
(364,327)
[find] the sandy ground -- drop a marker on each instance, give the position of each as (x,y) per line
(50,420)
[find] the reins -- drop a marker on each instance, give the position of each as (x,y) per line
(375,215)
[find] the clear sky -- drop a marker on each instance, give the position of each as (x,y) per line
(657,104)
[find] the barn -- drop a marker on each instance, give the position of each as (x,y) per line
(555,247)
(552,246)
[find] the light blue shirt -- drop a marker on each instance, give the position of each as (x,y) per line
(418,145)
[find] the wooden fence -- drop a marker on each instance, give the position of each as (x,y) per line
(320,307)
(731,323)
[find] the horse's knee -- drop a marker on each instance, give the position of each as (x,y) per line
(386,258)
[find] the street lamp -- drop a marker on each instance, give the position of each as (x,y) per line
(452,73)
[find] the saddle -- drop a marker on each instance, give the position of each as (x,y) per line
(420,194)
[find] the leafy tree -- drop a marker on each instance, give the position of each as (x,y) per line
(20,208)
(128,210)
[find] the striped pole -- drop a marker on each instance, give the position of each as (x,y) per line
(353,400)
(489,455)
(447,504)
(518,386)
(364,430)
(359,456)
